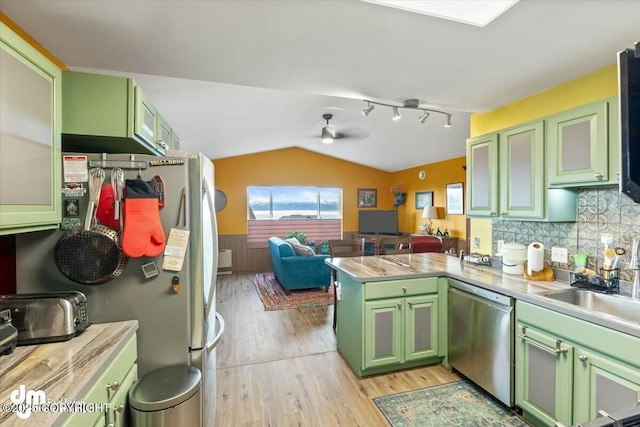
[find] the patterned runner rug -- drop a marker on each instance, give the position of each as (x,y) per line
(274,298)
(454,404)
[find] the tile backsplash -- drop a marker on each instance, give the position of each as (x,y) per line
(600,210)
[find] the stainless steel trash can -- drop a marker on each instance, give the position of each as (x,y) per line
(167,397)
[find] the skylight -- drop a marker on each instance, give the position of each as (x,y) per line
(472,12)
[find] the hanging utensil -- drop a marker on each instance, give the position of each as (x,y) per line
(96,178)
(117,183)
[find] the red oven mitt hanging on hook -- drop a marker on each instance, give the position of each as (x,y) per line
(143,234)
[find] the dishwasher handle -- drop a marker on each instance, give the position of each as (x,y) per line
(558,350)
(507,308)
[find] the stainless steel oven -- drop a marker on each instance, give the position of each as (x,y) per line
(480,338)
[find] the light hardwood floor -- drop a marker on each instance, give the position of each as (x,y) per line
(281,368)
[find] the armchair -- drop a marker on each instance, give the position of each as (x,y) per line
(297,271)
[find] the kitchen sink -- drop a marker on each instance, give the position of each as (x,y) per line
(614,305)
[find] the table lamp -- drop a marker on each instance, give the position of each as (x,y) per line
(430,213)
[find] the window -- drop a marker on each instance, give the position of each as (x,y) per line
(276,211)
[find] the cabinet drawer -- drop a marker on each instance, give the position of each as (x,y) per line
(100,393)
(400,288)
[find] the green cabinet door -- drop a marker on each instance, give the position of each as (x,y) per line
(117,414)
(482,176)
(146,119)
(384,332)
(544,376)
(522,171)
(578,145)
(30,147)
(603,384)
(421,327)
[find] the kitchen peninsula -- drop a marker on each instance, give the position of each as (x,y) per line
(394,312)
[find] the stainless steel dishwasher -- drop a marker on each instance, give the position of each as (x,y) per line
(480,338)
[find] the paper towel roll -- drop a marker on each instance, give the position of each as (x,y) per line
(535,257)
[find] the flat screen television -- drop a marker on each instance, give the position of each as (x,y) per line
(629,96)
(378,222)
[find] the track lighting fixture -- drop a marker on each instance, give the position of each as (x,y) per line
(328,133)
(369,108)
(412,104)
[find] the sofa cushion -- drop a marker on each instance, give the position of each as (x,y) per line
(302,250)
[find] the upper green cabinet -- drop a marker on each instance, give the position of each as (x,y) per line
(578,144)
(30,94)
(110,114)
(522,170)
(505,177)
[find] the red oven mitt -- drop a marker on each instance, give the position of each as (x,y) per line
(143,234)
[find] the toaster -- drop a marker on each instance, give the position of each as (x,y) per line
(8,334)
(46,317)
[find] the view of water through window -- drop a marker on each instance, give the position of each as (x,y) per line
(294,202)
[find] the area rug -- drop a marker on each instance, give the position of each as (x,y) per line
(274,298)
(454,404)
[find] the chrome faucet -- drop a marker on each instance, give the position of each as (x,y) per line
(461,255)
(634,264)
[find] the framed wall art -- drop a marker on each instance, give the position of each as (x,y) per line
(367,197)
(423,199)
(455,199)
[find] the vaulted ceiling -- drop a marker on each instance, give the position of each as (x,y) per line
(239,77)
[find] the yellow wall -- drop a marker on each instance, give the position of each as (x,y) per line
(295,166)
(583,90)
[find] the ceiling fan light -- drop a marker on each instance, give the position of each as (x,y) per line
(423,117)
(447,124)
(368,109)
(396,115)
(328,135)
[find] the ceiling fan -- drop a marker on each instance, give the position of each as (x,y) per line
(329,133)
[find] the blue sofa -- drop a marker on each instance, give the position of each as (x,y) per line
(297,271)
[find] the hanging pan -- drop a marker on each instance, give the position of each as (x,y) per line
(90,255)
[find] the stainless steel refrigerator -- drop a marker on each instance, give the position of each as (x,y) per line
(177,325)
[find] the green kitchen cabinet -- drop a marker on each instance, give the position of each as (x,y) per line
(109,114)
(110,390)
(400,329)
(391,325)
(30,147)
(568,369)
(582,151)
(482,176)
(175,140)
(505,178)
(544,375)
(602,383)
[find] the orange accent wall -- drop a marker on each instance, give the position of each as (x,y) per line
(437,176)
(296,166)
(19,31)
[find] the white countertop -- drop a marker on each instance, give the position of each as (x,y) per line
(396,267)
(63,370)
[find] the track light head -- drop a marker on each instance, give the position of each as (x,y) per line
(447,124)
(368,109)
(396,115)
(423,117)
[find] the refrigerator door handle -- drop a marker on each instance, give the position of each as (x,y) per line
(208,191)
(216,339)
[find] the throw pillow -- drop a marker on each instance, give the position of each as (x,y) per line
(302,250)
(292,241)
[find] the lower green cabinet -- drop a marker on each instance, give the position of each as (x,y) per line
(400,329)
(544,376)
(568,369)
(391,325)
(110,391)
